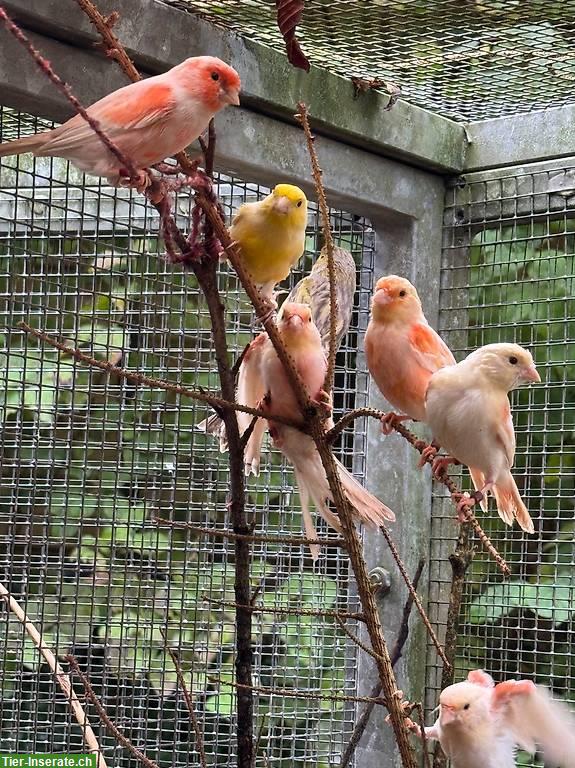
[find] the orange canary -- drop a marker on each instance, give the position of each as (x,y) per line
(149,120)
(401,348)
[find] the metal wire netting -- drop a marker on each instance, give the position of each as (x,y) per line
(464,60)
(87,461)
(508,275)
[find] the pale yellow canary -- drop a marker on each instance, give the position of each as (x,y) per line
(468,410)
(271,235)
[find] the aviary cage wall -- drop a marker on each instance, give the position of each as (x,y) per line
(88,462)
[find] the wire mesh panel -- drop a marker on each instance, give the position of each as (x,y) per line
(89,461)
(465,60)
(508,275)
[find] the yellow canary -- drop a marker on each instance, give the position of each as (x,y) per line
(271,235)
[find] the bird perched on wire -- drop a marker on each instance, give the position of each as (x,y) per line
(481,725)
(401,348)
(271,235)
(468,411)
(312,290)
(148,120)
(303,343)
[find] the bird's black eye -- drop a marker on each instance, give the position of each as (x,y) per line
(513,360)
(466,706)
(299,203)
(402,293)
(309,319)
(215,75)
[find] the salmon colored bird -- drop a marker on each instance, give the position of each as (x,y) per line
(402,349)
(271,235)
(148,120)
(303,342)
(481,725)
(468,411)
(312,290)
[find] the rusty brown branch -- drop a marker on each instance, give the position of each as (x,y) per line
(456,494)
(119,735)
(303,117)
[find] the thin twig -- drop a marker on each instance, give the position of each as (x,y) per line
(119,735)
(294,693)
(403,633)
(460,561)
(125,162)
(61,677)
(414,595)
(290,611)
(420,716)
(224,534)
(354,638)
(456,494)
(402,636)
(303,117)
(148,381)
(190,705)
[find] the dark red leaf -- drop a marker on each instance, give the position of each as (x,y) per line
(289,13)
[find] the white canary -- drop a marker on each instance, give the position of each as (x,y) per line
(468,411)
(481,725)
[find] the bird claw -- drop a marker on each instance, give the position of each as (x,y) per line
(140,183)
(440,464)
(390,420)
(468,500)
(427,455)
(322,401)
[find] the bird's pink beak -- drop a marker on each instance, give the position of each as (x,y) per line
(381,297)
(234,97)
(531,374)
(295,321)
(446,714)
(282,204)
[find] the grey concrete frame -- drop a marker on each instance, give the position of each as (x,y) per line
(383,165)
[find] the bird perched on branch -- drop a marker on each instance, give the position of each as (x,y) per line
(312,290)
(271,235)
(303,343)
(402,349)
(481,725)
(468,411)
(148,121)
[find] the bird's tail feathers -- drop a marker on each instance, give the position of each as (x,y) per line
(369,509)
(308,525)
(19,146)
(253,450)
(510,504)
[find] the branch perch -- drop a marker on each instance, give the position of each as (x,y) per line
(61,677)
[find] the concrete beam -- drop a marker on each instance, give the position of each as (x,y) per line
(270,84)
(513,140)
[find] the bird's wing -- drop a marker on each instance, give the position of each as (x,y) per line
(130,108)
(429,348)
(535,719)
(250,392)
(505,434)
